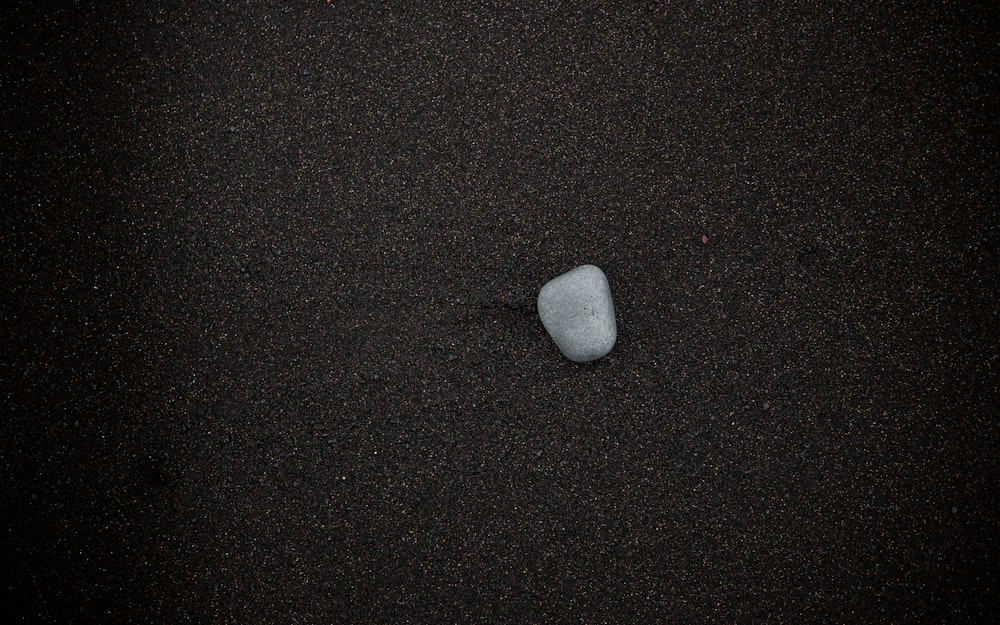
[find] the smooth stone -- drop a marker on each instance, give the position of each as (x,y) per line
(578,313)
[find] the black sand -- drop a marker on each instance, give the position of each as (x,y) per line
(271,353)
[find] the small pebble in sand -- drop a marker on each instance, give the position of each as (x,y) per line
(577,311)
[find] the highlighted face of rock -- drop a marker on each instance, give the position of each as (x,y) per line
(578,313)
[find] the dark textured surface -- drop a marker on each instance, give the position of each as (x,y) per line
(270,351)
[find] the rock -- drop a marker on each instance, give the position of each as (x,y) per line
(578,313)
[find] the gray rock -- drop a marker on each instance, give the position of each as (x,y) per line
(578,313)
